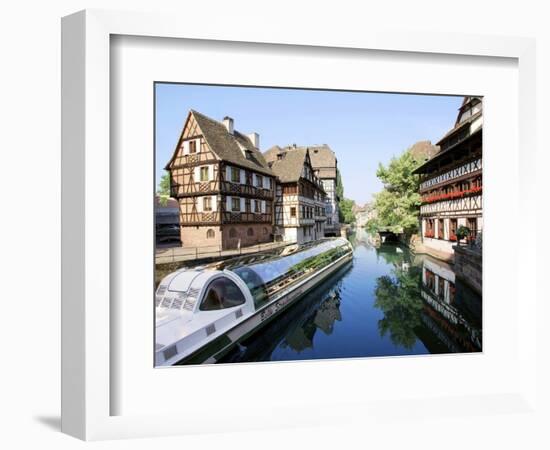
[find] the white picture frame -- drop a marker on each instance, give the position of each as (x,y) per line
(88,324)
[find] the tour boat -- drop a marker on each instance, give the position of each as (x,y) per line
(202,313)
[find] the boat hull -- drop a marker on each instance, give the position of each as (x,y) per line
(216,349)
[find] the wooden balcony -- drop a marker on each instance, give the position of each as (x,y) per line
(200,218)
(464,170)
(245,190)
(227,188)
(246,217)
(199,188)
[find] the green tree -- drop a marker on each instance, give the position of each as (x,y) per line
(163,190)
(398,297)
(340,196)
(339,186)
(345,205)
(398,204)
(346,210)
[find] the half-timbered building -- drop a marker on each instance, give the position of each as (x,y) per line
(325,167)
(451,182)
(223,185)
(300,199)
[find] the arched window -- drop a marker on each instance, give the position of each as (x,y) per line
(250,232)
(233,233)
(222,293)
(210,234)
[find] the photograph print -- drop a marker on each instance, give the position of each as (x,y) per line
(303,224)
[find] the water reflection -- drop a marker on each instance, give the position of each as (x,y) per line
(388,302)
(421,299)
(295,330)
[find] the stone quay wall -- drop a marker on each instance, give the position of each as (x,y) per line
(468,266)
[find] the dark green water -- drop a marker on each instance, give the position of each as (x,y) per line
(387,302)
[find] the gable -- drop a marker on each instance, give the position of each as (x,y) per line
(190,130)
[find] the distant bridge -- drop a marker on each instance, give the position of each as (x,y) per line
(387,236)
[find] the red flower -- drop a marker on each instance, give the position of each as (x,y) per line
(451,195)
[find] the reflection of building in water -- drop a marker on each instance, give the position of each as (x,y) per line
(362,237)
(322,318)
(452,311)
(327,314)
(296,328)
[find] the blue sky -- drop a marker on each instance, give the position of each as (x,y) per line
(362,128)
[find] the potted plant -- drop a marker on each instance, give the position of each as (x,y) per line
(462,232)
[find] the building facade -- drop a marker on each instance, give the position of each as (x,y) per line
(363,214)
(451,182)
(223,185)
(299,212)
(325,167)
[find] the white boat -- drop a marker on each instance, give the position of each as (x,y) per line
(204,312)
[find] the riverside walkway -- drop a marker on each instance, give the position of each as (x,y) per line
(178,254)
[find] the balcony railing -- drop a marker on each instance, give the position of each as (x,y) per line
(200,187)
(198,218)
(245,189)
(245,217)
(452,195)
(227,188)
(456,173)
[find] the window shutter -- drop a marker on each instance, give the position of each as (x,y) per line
(198,145)
(197,175)
(214,203)
(228,203)
(263,206)
(266,183)
(227,173)
(253,179)
(243,176)
(200,205)
(185,147)
(242,204)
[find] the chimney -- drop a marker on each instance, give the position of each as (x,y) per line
(255,139)
(228,124)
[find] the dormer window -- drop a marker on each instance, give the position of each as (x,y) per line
(244,150)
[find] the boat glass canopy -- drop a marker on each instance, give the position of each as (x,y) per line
(269,276)
(222,293)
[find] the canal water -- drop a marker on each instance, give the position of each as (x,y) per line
(387,302)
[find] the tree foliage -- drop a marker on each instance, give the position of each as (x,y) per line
(398,204)
(339,185)
(345,205)
(163,190)
(346,210)
(398,297)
